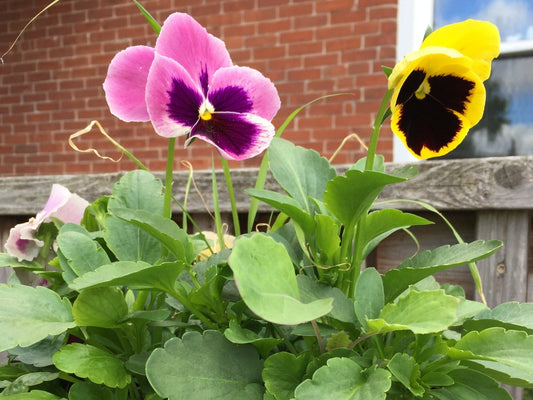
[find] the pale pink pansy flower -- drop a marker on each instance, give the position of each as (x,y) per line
(62,204)
(188,85)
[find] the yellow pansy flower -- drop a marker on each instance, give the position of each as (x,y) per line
(438,90)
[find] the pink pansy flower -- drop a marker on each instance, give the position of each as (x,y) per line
(62,205)
(188,85)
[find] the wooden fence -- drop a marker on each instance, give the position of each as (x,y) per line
(490,198)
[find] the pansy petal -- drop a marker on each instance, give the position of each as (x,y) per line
(187,42)
(439,61)
(435,104)
(63,205)
(479,40)
(125,83)
(428,130)
(172,97)
(236,136)
(21,243)
(243,89)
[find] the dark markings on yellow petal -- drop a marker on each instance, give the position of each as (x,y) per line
(428,122)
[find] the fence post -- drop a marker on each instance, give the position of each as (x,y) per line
(504,275)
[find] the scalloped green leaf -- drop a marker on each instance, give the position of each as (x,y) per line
(97,365)
(104,307)
(208,366)
(136,190)
(301,172)
(22,384)
(286,205)
(349,196)
(283,372)
(135,275)
(39,354)
(265,277)
(80,251)
(311,290)
(34,395)
(406,370)
(7,260)
(429,262)
(343,378)
(511,315)
(29,315)
(90,391)
(429,311)
(471,385)
(510,348)
(165,230)
(239,335)
(382,223)
(502,373)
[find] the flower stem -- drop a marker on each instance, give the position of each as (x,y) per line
(231,194)
(167,207)
(380,116)
(216,209)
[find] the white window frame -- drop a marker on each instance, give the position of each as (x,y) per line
(414,16)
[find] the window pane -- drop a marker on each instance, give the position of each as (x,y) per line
(507,125)
(514,18)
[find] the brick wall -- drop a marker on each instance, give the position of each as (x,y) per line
(52,80)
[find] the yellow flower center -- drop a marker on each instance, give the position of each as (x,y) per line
(423,89)
(206,111)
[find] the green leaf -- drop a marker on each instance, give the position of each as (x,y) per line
(347,197)
(301,172)
(283,372)
(80,251)
(22,384)
(29,315)
(266,280)
(369,296)
(135,275)
(507,347)
(343,378)
(471,385)
(405,368)
(39,354)
(511,315)
(286,205)
(420,312)
(208,366)
(381,224)
(136,190)
(239,335)
(312,290)
(7,260)
(429,262)
(34,395)
(165,230)
(151,20)
(86,361)
(103,307)
(89,391)
(502,373)
(386,70)
(327,239)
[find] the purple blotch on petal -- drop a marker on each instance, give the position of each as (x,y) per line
(260,91)
(236,136)
(204,81)
(230,98)
(184,103)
